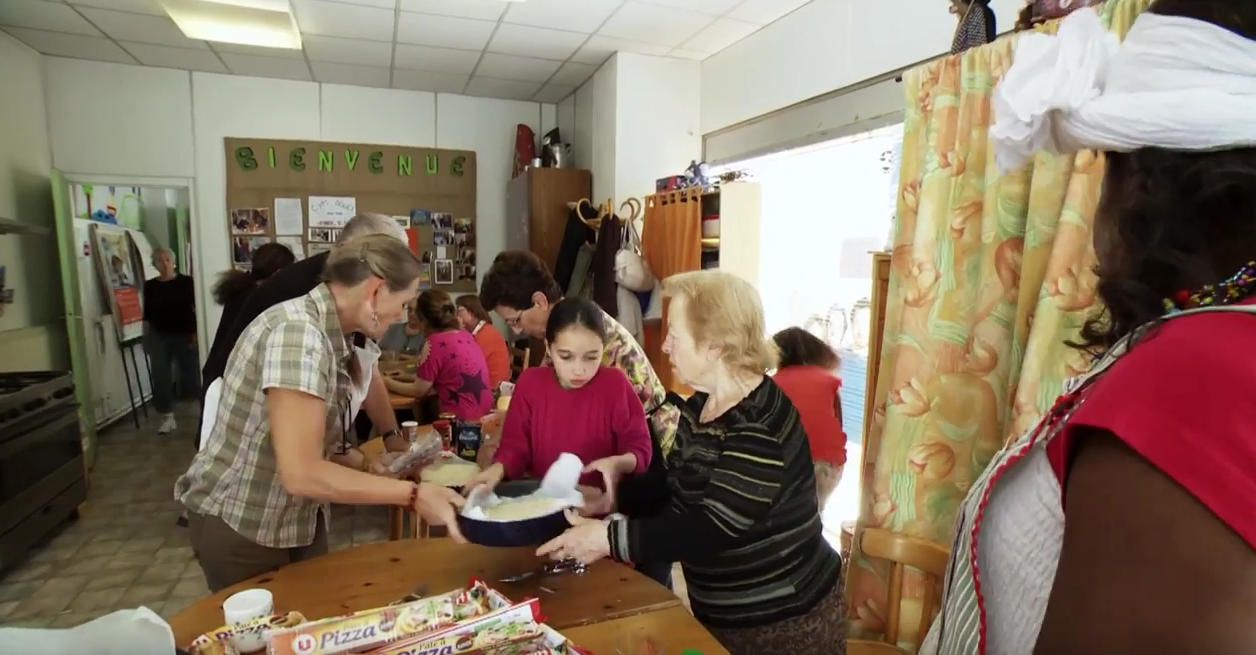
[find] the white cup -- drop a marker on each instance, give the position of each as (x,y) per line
(248,605)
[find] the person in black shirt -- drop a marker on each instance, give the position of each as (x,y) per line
(293,282)
(234,286)
(170,336)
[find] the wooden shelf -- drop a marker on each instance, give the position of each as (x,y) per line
(10,226)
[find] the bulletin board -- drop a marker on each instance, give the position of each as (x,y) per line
(300,193)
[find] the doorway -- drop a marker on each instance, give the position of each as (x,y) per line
(826,209)
(108,232)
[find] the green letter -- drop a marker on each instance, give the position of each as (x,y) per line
(431,162)
(351,158)
(374,162)
(244,157)
(404,165)
(296,159)
(456,166)
(270,156)
(325,160)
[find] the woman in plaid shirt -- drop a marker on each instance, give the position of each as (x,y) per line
(258,493)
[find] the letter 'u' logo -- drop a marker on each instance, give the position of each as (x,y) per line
(304,644)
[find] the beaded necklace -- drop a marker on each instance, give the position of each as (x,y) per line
(1235,288)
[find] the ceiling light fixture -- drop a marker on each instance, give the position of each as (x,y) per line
(261,23)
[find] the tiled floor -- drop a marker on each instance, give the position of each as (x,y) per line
(125,550)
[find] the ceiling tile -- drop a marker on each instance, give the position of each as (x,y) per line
(149,7)
(436,60)
(274,53)
(535,42)
(288,69)
(479,9)
(573,73)
(425,81)
(712,7)
(573,15)
(719,35)
(168,57)
(349,74)
(491,88)
(139,28)
(48,16)
(763,12)
(654,24)
(554,93)
(348,51)
(443,31)
(70,45)
(522,69)
(382,4)
(349,21)
(681,53)
(600,48)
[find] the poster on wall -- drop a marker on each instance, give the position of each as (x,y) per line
(119,270)
(112,205)
(331,211)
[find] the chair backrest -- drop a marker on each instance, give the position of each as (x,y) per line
(904,551)
(520,358)
(213,394)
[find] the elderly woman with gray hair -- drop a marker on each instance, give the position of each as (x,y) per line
(170,336)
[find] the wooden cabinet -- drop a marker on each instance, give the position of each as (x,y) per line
(536,208)
(673,243)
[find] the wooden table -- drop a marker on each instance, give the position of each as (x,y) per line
(609,595)
(674,628)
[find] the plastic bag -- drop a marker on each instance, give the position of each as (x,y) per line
(425,447)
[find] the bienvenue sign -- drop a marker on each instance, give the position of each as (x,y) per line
(351,159)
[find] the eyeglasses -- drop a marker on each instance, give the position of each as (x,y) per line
(514,321)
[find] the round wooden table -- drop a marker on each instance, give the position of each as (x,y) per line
(591,609)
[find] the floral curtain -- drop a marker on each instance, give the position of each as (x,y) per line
(990,275)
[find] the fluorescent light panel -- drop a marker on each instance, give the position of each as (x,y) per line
(261,23)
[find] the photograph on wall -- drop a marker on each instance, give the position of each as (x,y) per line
(242,249)
(318,249)
(254,220)
(444,271)
(466,272)
(463,225)
(323,235)
(460,239)
(425,276)
(119,271)
(332,211)
(426,257)
(420,217)
(289,217)
(442,221)
(443,238)
(466,256)
(295,244)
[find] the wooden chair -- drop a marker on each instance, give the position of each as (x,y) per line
(520,358)
(903,551)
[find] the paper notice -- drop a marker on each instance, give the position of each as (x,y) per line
(295,244)
(332,211)
(289,217)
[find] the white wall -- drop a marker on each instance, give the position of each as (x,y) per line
(155,212)
(824,46)
(174,122)
(602,97)
(31,335)
(656,121)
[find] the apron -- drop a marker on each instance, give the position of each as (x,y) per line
(961,626)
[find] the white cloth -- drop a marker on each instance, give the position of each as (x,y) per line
(1175,83)
(367,358)
(213,395)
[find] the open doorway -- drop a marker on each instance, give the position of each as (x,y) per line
(826,209)
(112,239)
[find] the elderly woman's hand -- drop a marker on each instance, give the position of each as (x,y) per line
(586,541)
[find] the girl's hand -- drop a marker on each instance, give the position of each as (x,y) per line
(596,502)
(488,479)
(613,470)
(586,541)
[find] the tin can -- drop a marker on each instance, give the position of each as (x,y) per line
(469,437)
(446,425)
(410,430)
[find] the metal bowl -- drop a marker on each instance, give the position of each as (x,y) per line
(511,534)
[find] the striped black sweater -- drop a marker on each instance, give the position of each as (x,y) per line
(735,504)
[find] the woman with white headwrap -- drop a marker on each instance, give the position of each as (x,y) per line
(1123,523)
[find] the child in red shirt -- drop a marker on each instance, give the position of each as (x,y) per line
(807,375)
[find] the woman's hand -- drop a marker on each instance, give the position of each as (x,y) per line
(439,506)
(596,502)
(488,479)
(586,541)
